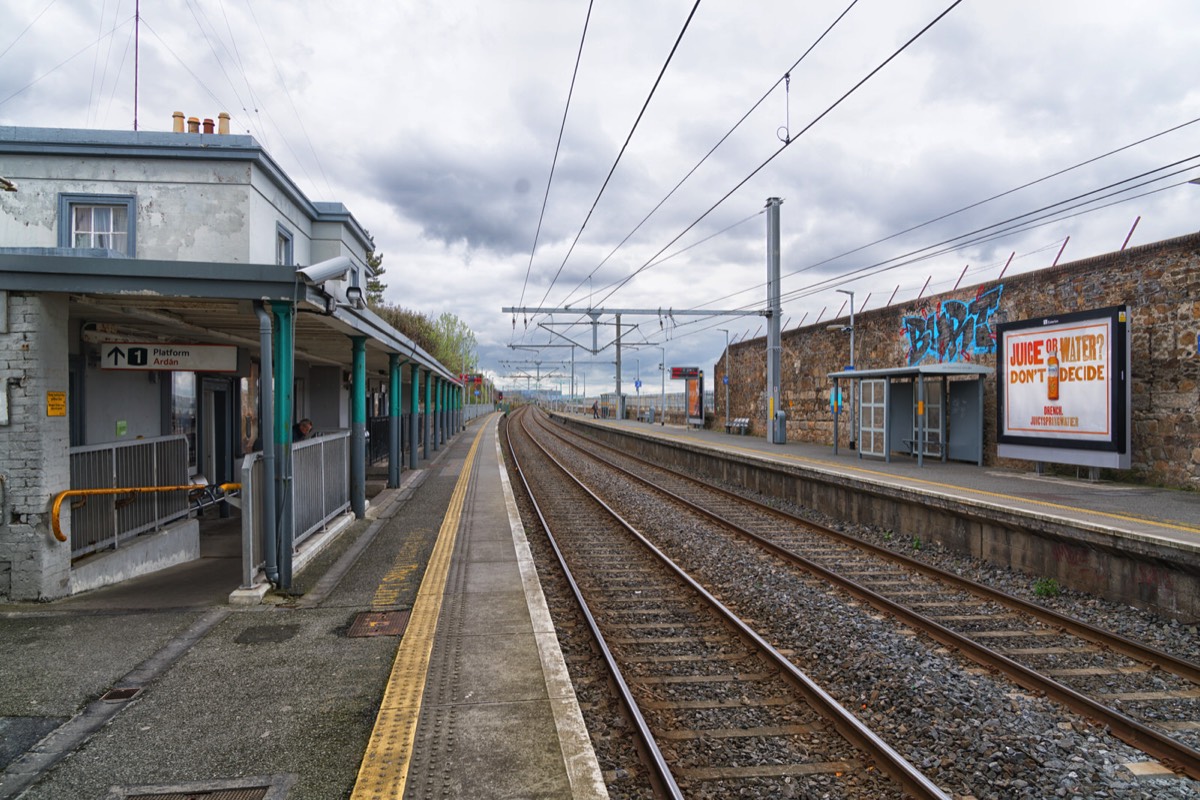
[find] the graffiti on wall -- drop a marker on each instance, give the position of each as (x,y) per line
(955,330)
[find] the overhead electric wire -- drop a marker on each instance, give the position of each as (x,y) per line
(65,61)
(1057,173)
(1000,195)
(712,150)
(288,93)
(982,235)
(628,139)
(786,144)
(25,30)
(557,146)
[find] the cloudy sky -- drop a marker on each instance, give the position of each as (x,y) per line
(437,124)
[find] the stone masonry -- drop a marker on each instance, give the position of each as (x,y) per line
(1160,283)
(33,448)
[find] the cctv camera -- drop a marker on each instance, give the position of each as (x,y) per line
(322,271)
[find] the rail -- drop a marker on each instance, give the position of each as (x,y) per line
(56,508)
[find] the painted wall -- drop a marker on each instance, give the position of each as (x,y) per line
(1159,282)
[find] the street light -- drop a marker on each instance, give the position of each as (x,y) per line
(853,382)
(726,332)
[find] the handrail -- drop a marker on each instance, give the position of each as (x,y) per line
(58,498)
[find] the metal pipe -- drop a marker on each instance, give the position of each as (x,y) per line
(267,434)
(358,428)
(56,507)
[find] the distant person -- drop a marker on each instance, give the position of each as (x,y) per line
(595,409)
(302,429)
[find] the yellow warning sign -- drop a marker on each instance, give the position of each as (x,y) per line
(56,404)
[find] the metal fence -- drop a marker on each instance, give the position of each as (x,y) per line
(102,521)
(320,481)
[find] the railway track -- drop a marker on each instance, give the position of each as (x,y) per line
(719,711)
(1146,697)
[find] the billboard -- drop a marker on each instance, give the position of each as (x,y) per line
(1063,388)
(695,399)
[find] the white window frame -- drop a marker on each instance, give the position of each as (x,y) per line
(285,249)
(69,204)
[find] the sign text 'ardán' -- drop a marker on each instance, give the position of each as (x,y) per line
(172,356)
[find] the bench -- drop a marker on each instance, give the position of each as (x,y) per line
(739,425)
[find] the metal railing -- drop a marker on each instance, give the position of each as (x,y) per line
(320,481)
(102,521)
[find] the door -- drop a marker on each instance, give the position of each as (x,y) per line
(216,430)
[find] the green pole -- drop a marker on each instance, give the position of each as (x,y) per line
(284,334)
(358,429)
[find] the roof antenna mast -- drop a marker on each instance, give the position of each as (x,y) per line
(137,30)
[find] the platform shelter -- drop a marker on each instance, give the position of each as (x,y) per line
(924,410)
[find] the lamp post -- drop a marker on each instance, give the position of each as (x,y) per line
(854,383)
(726,332)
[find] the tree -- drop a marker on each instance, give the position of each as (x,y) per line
(375,287)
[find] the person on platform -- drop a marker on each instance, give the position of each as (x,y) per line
(595,409)
(302,430)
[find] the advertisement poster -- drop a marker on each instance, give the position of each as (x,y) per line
(1063,385)
(1058,381)
(695,399)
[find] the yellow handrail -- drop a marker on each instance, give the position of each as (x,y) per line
(63,495)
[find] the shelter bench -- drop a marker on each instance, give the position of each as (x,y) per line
(739,425)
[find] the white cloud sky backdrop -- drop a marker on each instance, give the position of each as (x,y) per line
(437,123)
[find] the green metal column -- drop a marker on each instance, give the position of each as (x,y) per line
(437,411)
(428,412)
(414,417)
(358,428)
(395,453)
(284,351)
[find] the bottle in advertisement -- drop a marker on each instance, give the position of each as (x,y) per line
(1052,376)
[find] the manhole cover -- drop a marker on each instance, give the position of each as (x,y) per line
(379,623)
(119,695)
(267,634)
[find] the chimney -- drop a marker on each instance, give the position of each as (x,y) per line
(177,122)
(193,125)
(223,123)
(208,125)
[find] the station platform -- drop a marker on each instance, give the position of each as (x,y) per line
(414,658)
(1134,510)
(1131,543)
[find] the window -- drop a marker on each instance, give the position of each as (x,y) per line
(283,246)
(103,221)
(183,411)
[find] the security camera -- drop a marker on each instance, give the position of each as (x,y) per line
(322,271)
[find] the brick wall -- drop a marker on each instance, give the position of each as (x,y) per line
(1160,283)
(33,448)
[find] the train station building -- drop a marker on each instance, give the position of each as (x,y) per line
(171,306)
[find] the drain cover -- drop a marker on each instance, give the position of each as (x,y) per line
(256,793)
(379,623)
(119,695)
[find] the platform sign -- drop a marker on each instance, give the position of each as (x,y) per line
(683,373)
(174,356)
(1063,386)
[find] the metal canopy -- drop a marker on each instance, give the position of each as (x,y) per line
(933,370)
(209,303)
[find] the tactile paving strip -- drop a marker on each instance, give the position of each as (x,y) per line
(384,769)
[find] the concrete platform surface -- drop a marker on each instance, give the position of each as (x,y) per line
(276,699)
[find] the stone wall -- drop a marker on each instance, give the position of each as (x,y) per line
(1160,283)
(33,448)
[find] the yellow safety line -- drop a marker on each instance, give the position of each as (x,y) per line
(1175,526)
(384,768)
